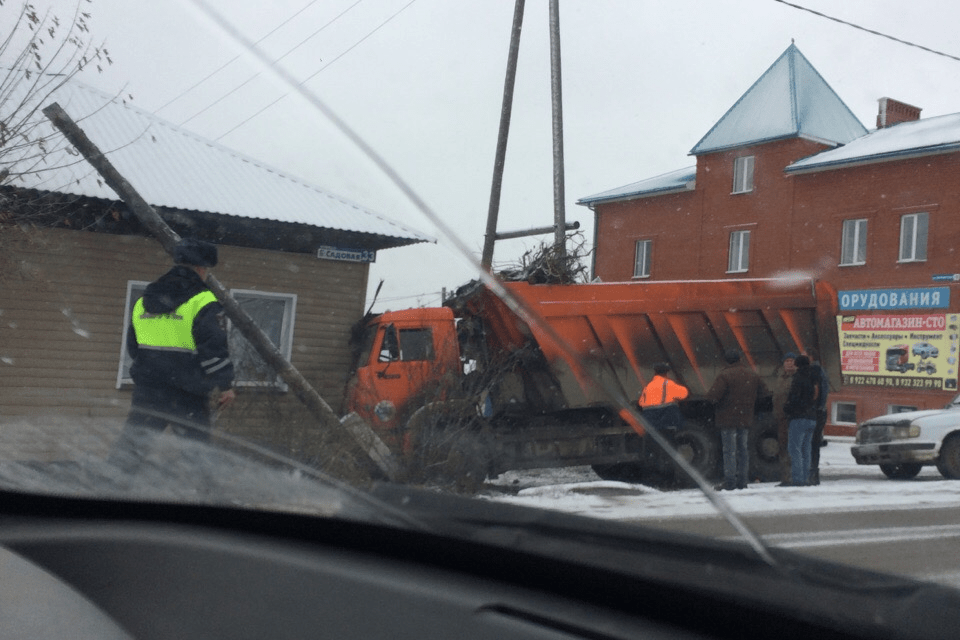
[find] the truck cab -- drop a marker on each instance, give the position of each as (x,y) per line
(406,359)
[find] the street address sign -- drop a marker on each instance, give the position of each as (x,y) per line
(346,255)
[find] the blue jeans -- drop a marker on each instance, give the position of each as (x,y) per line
(799,442)
(736,457)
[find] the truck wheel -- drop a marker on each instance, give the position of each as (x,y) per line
(949,461)
(905,471)
(447,446)
(764,446)
(698,448)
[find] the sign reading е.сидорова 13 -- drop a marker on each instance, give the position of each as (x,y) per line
(347,255)
(891,299)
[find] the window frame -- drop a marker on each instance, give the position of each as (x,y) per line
(739,250)
(642,269)
(835,412)
(912,240)
(743,172)
(124,381)
(286,337)
(854,254)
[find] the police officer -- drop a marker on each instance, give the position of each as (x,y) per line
(180,356)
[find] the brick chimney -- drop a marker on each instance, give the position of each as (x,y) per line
(894,112)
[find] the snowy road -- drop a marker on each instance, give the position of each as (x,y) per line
(855,516)
(845,486)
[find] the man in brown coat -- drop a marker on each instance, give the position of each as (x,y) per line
(735,393)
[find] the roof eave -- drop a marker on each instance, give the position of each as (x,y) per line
(626,197)
(874,159)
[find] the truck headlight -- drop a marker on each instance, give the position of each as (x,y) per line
(385,411)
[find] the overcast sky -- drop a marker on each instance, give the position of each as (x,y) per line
(421,81)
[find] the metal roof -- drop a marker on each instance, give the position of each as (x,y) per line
(673,182)
(174,168)
(789,100)
(907,139)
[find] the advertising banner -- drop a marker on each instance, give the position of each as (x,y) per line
(917,351)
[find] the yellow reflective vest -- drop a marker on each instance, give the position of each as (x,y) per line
(170,331)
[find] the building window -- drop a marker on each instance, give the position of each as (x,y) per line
(739,257)
(844,413)
(743,174)
(900,408)
(272,312)
(913,237)
(853,245)
(641,260)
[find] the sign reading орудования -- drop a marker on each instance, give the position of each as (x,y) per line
(894,299)
(347,255)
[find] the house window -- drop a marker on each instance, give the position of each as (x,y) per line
(272,312)
(844,413)
(853,245)
(641,262)
(913,237)
(739,257)
(743,174)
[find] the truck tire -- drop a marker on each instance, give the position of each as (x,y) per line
(700,449)
(448,446)
(905,471)
(948,464)
(764,445)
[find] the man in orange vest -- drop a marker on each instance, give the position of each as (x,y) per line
(659,398)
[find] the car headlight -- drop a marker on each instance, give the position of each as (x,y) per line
(905,431)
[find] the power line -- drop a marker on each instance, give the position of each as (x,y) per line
(315,73)
(870,31)
(256,75)
(233,59)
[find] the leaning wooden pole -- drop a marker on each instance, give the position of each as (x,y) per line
(167,237)
(506,109)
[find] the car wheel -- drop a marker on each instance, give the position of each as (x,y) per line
(949,461)
(905,471)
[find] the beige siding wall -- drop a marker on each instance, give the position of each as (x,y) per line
(62,297)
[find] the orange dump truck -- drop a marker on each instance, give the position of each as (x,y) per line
(474,382)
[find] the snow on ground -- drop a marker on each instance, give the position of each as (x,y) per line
(845,486)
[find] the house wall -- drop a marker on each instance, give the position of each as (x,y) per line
(62,296)
(797,223)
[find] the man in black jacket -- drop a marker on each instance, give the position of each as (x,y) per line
(180,356)
(801,408)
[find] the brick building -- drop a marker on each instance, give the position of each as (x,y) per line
(789,182)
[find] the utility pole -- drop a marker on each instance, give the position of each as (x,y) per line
(559,214)
(493,212)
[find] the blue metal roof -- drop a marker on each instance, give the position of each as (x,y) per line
(907,139)
(789,100)
(673,182)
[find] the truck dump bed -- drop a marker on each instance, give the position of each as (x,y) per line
(620,330)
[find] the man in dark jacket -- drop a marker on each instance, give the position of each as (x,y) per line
(801,408)
(180,356)
(735,393)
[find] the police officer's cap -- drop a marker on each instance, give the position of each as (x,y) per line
(195,253)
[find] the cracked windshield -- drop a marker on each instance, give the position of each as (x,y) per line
(687,266)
